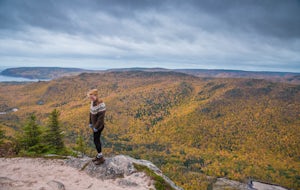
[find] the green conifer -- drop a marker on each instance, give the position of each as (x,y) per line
(81,145)
(53,135)
(30,138)
(2,135)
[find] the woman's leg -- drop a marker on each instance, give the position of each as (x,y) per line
(97,141)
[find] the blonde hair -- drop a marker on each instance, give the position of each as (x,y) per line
(93,92)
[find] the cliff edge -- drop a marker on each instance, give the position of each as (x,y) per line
(118,172)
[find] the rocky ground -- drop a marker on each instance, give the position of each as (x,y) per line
(223,183)
(116,173)
(59,174)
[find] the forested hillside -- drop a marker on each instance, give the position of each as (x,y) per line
(190,127)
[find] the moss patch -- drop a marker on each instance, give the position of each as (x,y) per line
(160,183)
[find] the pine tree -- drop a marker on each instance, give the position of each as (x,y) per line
(81,145)
(53,135)
(30,138)
(1,136)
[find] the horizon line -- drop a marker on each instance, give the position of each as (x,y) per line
(149,68)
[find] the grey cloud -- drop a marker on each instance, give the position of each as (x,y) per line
(191,31)
(16,15)
(270,17)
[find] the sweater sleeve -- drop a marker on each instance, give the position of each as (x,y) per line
(100,120)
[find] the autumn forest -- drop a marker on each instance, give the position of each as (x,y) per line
(195,129)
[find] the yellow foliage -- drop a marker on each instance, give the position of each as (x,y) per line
(190,127)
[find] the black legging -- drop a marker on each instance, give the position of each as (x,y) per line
(97,140)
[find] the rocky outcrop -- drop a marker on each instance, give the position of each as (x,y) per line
(223,183)
(115,173)
(116,167)
(264,186)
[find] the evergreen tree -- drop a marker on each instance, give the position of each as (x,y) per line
(81,145)
(53,136)
(30,138)
(1,136)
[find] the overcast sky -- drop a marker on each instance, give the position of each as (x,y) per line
(261,35)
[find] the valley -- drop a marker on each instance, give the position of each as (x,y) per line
(190,127)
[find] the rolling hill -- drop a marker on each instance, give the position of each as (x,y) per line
(41,72)
(57,72)
(286,77)
(190,127)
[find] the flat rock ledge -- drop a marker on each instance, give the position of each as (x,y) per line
(116,173)
(115,167)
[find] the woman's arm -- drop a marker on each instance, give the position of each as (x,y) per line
(100,121)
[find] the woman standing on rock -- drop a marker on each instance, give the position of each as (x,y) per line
(97,113)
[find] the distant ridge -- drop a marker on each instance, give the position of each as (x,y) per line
(202,70)
(56,72)
(287,77)
(237,71)
(154,69)
(41,72)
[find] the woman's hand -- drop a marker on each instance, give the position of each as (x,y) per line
(94,129)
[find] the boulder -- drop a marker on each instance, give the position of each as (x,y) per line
(116,167)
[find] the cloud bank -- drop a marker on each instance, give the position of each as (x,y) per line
(246,35)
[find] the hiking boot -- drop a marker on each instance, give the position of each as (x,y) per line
(99,161)
(94,159)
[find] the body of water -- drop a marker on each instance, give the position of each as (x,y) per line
(15,79)
(4,78)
